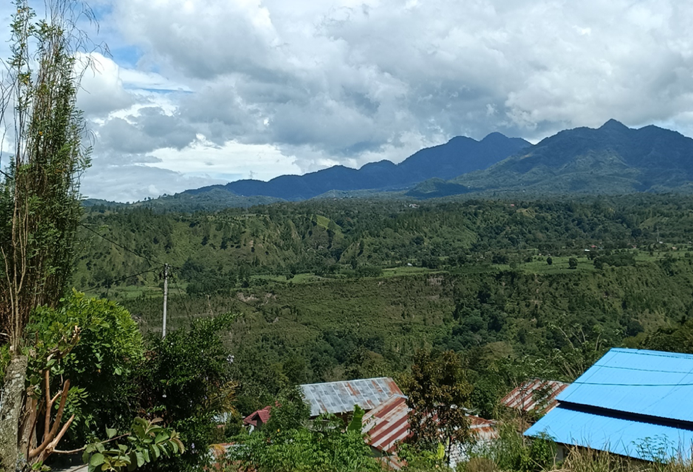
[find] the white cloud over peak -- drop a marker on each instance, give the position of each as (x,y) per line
(216,89)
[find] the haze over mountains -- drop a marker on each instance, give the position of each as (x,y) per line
(612,159)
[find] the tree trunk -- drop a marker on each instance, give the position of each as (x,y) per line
(10,414)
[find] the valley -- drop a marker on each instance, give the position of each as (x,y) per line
(331,290)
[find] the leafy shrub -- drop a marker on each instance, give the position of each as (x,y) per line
(186,379)
(108,353)
(327,446)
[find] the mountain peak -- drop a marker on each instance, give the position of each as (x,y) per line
(614,125)
(494,136)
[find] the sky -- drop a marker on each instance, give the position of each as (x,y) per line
(200,92)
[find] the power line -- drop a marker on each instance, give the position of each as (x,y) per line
(121,279)
(182,296)
(151,261)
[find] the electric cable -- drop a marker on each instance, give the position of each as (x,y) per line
(151,261)
(122,279)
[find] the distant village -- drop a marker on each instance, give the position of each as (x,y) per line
(631,403)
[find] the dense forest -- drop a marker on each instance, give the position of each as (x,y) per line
(344,289)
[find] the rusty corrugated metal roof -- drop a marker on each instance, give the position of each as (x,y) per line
(536,394)
(340,397)
(483,429)
(388,425)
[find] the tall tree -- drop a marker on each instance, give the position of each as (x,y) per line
(438,394)
(39,191)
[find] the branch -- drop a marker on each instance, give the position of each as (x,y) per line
(74,451)
(51,447)
(49,402)
(61,408)
(50,433)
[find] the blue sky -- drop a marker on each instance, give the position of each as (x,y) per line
(198,92)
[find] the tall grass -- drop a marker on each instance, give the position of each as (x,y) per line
(513,452)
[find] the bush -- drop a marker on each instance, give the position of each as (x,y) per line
(512,451)
(326,447)
(108,353)
(186,379)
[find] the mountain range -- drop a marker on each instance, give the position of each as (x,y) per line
(458,156)
(611,159)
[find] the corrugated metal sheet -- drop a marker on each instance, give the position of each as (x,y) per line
(483,429)
(536,394)
(620,436)
(630,402)
(340,397)
(388,425)
(636,381)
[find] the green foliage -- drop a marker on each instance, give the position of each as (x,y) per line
(621,259)
(356,423)
(108,353)
(5,358)
(39,193)
(438,393)
(325,447)
(478,284)
(675,337)
(146,444)
(290,412)
(418,460)
(512,451)
(186,378)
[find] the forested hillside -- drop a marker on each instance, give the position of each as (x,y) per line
(612,159)
(334,236)
(346,289)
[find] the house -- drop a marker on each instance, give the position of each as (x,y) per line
(258,418)
(385,427)
(538,396)
(339,398)
(388,425)
(634,403)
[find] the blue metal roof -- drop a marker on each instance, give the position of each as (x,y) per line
(637,439)
(636,381)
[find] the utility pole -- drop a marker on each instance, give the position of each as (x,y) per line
(163,331)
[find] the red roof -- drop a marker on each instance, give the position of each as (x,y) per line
(388,424)
(536,394)
(483,429)
(258,417)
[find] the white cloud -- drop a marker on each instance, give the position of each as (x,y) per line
(259,161)
(352,81)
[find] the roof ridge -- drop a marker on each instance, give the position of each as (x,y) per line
(342,381)
(649,352)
